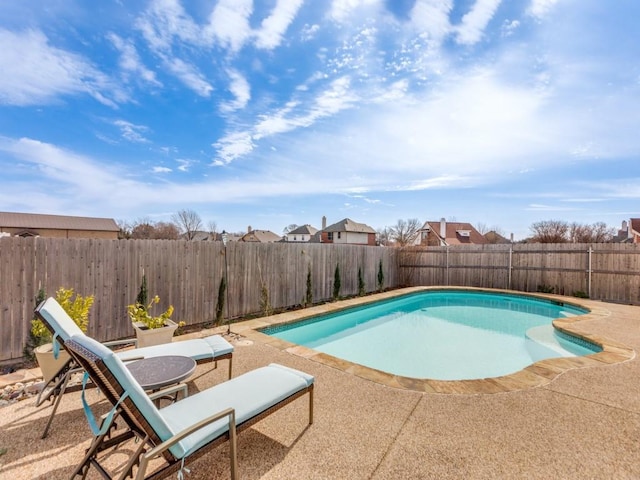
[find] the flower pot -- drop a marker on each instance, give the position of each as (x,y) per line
(47,363)
(154,336)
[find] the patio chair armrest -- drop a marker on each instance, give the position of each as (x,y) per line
(159,449)
(180,387)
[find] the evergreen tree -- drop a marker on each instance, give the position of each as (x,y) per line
(220,305)
(380,277)
(142,297)
(336,282)
(308,299)
(361,288)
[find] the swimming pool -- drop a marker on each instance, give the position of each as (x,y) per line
(442,334)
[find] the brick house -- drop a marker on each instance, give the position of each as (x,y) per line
(444,233)
(347,231)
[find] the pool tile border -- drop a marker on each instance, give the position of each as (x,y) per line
(535,375)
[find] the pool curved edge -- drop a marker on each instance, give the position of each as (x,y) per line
(538,374)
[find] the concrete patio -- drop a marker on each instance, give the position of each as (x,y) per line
(584,423)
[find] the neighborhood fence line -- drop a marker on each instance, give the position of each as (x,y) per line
(187,275)
(184,274)
(601,271)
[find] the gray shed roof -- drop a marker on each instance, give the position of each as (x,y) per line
(58,222)
(348,225)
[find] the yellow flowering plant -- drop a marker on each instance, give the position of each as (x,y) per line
(141,313)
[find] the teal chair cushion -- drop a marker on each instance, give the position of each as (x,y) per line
(249,394)
(59,320)
(129,384)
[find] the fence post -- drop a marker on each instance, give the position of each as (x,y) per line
(447,270)
(589,272)
(510,265)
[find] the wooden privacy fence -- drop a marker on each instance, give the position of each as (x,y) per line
(184,274)
(602,271)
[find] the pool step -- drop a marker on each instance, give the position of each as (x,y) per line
(545,342)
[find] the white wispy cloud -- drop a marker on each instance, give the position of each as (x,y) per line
(166,20)
(159,169)
(131,132)
(342,10)
(35,72)
(540,8)
(475,22)
(241,90)
(273,27)
(431,18)
(509,27)
(184,164)
(229,23)
(232,146)
(130,61)
(189,76)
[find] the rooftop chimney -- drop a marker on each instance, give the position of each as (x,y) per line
(324,222)
(443,228)
(249,229)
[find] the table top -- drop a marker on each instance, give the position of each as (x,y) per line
(157,372)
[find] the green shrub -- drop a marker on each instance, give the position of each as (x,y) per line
(380,277)
(361,287)
(308,299)
(220,304)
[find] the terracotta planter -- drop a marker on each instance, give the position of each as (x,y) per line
(49,365)
(154,336)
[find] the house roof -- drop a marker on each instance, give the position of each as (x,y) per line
(348,225)
(56,222)
(635,225)
(495,237)
(303,230)
(452,231)
(263,236)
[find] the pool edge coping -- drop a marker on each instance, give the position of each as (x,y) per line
(535,375)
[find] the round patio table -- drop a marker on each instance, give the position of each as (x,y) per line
(155,373)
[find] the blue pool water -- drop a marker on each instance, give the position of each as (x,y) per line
(445,335)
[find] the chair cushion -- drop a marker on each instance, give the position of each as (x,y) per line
(219,345)
(129,384)
(59,320)
(249,394)
(195,349)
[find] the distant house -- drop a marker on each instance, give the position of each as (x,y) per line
(444,233)
(630,231)
(495,238)
(59,226)
(302,234)
(260,236)
(348,232)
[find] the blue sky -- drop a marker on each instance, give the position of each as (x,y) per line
(269,113)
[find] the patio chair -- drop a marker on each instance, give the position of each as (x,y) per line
(183,431)
(62,328)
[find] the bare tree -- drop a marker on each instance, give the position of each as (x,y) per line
(404,232)
(125,229)
(188,221)
(596,233)
(166,231)
(142,228)
(289,228)
(212,227)
(550,231)
(384,236)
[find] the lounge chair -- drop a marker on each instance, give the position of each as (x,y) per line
(185,430)
(62,328)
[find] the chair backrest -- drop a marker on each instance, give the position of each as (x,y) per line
(113,377)
(57,320)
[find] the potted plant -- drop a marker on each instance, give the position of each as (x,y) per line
(77,307)
(152,330)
